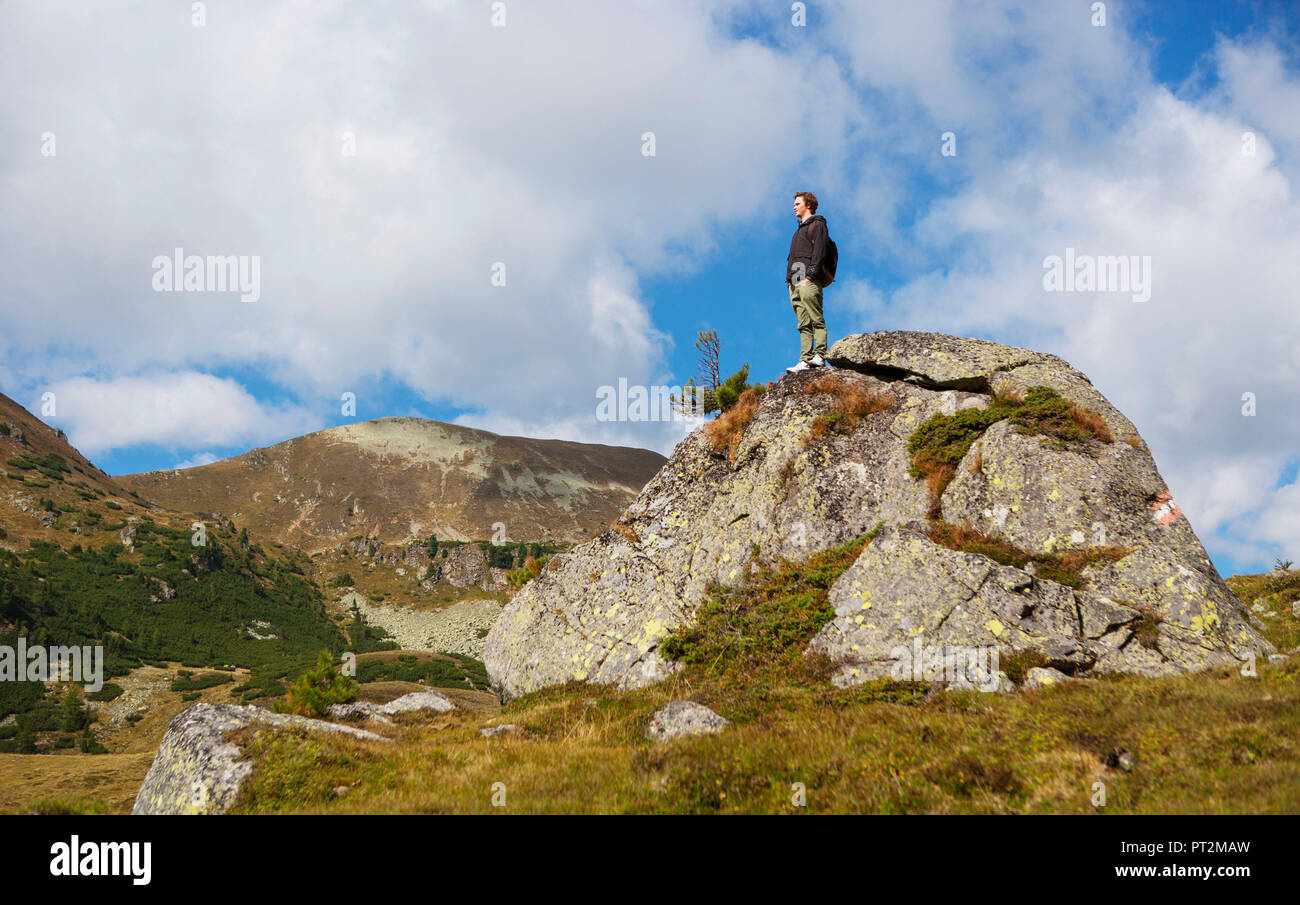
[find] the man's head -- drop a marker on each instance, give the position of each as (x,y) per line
(805,205)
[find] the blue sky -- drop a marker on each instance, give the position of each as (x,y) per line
(522,144)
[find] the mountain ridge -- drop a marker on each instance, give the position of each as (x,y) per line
(320,489)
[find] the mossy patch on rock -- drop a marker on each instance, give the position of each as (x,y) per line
(940,444)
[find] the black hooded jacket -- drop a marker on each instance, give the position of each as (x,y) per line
(809,248)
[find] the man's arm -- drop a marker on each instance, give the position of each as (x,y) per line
(817,235)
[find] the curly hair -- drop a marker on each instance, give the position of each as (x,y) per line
(809,199)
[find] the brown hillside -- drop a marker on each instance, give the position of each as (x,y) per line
(49,498)
(399,479)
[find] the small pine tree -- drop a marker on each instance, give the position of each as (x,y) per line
(26,737)
(433,546)
(357,630)
(75,716)
(89,745)
(317,689)
(731,388)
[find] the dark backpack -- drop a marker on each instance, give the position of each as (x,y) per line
(830,262)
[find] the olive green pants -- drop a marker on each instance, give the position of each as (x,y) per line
(806,298)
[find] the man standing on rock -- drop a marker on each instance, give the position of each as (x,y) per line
(803,280)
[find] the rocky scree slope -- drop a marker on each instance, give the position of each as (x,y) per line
(805,477)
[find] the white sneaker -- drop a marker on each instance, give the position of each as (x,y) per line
(817,361)
(801,366)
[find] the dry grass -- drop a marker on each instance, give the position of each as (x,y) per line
(1214,742)
(1063,568)
(850,403)
(628,532)
(938,477)
(1089,421)
(1147,629)
(727,430)
(1276,593)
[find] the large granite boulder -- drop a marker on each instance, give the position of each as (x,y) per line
(196,771)
(789,489)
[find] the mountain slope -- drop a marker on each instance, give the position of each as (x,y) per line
(400,479)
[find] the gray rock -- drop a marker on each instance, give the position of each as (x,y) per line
(380,713)
(419,700)
(934,360)
(681,718)
(599,612)
(197,772)
(1045,675)
(906,596)
(494,731)
(358,711)
(466,566)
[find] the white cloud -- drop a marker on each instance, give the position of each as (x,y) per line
(523,145)
(474,145)
(203,458)
(175,410)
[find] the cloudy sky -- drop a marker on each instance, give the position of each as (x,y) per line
(390,165)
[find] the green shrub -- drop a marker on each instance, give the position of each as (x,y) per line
(317,689)
(109,692)
(75,716)
(89,745)
(185,681)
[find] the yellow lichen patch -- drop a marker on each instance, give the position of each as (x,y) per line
(994,626)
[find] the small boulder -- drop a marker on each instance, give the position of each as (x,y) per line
(419,700)
(1045,675)
(357,711)
(380,713)
(494,731)
(682,718)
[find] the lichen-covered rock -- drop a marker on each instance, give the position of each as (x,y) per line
(380,713)
(905,587)
(466,566)
(1040,676)
(935,360)
(419,700)
(599,612)
(681,718)
(358,711)
(196,771)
